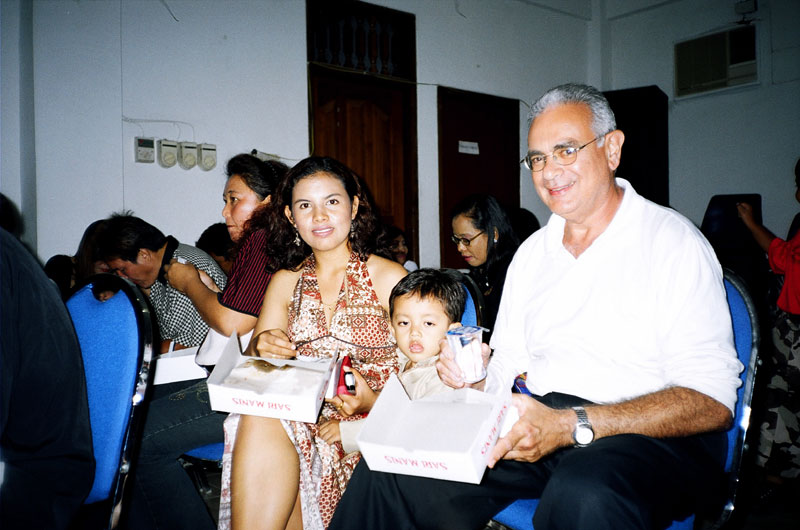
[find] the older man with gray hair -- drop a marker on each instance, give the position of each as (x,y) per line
(617,312)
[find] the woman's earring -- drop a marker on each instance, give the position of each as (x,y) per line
(495,240)
(296,238)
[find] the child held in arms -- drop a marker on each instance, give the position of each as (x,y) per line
(423,306)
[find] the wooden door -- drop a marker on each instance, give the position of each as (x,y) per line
(369,124)
(478,153)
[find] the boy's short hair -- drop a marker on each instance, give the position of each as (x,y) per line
(442,285)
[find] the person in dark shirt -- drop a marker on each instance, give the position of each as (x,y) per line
(46,460)
(487,242)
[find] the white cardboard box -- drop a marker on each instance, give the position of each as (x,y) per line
(448,436)
(282,400)
(177,365)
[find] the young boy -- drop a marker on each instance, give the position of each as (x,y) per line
(423,306)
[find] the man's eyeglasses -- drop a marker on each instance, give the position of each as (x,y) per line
(563,156)
(463,240)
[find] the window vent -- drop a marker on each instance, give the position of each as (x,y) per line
(715,61)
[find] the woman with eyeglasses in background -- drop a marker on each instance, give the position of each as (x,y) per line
(485,239)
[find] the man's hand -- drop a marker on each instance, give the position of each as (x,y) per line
(539,431)
(449,371)
(272,343)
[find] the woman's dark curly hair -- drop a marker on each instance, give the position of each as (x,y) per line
(281,249)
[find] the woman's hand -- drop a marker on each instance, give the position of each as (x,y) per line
(361,402)
(449,371)
(179,275)
(745,211)
(330,432)
(272,343)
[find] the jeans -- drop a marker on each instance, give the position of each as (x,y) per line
(179,419)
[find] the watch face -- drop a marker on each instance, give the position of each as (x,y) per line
(583,435)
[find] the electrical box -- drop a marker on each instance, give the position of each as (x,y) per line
(187,154)
(208,156)
(144,150)
(167,153)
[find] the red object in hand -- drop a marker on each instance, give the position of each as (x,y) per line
(347,381)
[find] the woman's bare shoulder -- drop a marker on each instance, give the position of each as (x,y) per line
(284,281)
(384,274)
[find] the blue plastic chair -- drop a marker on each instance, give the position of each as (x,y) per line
(474,308)
(116,340)
(519,514)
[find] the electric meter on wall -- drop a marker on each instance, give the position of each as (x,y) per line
(208,156)
(144,151)
(167,153)
(187,154)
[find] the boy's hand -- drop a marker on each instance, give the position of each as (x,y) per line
(329,431)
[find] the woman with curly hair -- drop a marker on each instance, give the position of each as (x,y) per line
(329,297)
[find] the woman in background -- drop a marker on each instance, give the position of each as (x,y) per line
(484,237)
(248,190)
(779,445)
(392,244)
(66,271)
(179,417)
(330,298)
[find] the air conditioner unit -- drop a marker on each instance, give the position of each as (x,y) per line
(716,61)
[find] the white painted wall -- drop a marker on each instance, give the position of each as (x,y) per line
(485,47)
(236,71)
(743,140)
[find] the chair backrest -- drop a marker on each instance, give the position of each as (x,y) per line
(474,308)
(746,336)
(116,339)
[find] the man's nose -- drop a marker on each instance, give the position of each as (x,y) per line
(551,169)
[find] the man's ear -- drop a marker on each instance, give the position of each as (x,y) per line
(453,325)
(144,256)
(613,148)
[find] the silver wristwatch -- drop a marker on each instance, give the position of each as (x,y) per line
(583,433)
